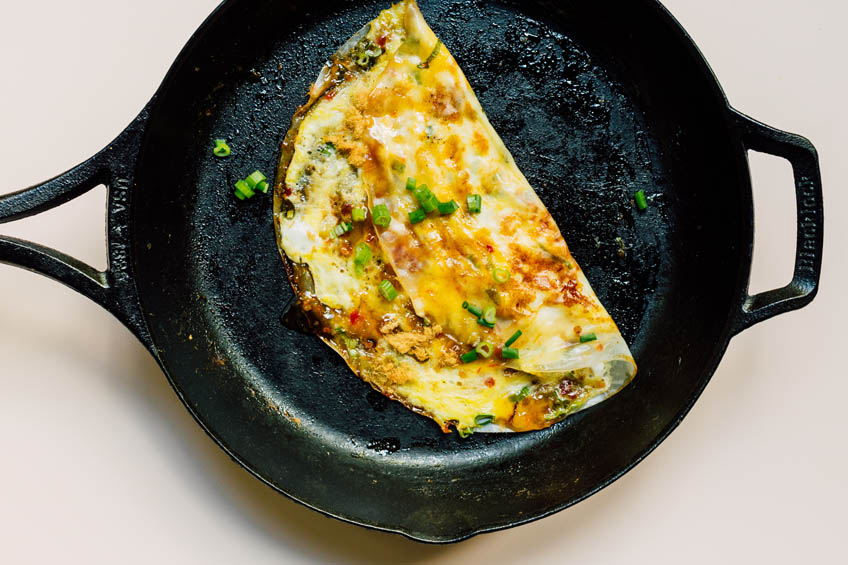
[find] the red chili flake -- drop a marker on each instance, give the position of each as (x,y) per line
(354,317)
(370,238)
(330,95)
(490,382)
(490,249)
(288,190)
(381,41)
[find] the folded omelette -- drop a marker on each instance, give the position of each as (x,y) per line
(421,254)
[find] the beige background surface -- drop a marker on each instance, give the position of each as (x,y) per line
(101,464)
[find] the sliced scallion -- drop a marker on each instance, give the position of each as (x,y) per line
(485,349)
(243,188)
(417,216)
(509,353)
(362,253)
(483,419)
(388,290)
(381,216)
(469,357)
(476,310)
(513,339)
(475,203)
(448,208)
(586,338)
(341,229)
(489,314)
(426,198)
(483,322)
(221,148)
(411,184)
(359,214)
(522,394)
(641,200)
(254,179)
(501,275)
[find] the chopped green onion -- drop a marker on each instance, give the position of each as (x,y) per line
(586,338)
(426,63)
(239,195)
(448,208)
(221,148)
(388,290)
(475,203)
(483,322)
(513,339)
(489,314)
(465,432)
(417,216)
(476,310)
(263,187)
(244,189)
(362,253)
(381,216)
(509,353)
(469,357)
(411,184)
(641,201)
(359,214)
(327,149)
(426,198)
(521,395)
(341,229)
(483,419)
(254,179)
(501,275)
(485,349)
(398,167)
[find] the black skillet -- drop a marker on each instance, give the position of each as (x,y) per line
(595,99)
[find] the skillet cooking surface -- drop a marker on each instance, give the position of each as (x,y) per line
(593,102)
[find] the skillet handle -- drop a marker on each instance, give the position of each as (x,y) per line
(808,198)
(113,288)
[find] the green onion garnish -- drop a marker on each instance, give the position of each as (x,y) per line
(411,184)
(359,214)
(489,314)
(509,353)
(388,290)
(513,339)
(483,322)
(341,229)
(398,167)
(426,198)
(641,201)
(426,63)
(254,179)
(521,395)
(586,338)
(243,188)
(362,254)
(381,216)
(448,208)
(476,310)
(327,149)
(263,187)
(465,432)
(483,419)
(475,203)
(501,275)
(221,148)
(469,357)
(417,216)
(239,195)
(485,349)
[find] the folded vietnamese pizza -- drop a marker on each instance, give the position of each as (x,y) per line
(420,252)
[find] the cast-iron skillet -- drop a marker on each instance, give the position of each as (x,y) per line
(595,99)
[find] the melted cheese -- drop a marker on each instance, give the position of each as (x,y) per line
(412,113)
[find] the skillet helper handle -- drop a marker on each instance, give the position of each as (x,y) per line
(113,288)
(808,199)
